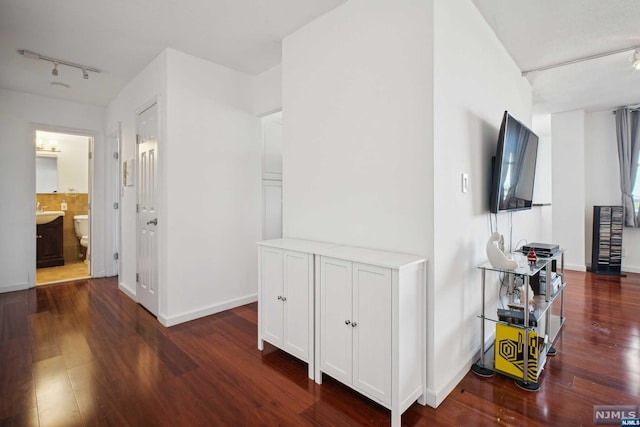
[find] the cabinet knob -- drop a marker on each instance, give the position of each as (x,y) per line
(346,322)
(284,299)
(354,324)
(279,297)
(38,236)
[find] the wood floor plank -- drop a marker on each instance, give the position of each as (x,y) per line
(83,353)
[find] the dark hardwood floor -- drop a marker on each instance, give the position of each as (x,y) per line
(83,353)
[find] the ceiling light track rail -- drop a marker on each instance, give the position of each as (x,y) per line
(56,62)
(582,59)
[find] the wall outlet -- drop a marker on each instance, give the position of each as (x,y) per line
(63,206)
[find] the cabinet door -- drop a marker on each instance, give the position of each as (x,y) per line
(297,291)
(271,298)
(372,331)
(335,318)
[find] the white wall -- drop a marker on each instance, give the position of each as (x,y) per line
(18,112)
(266,92)
(568,169)
(150,84)
(469,103)
(602,183)
(212,181)
(357,102)
(382,117)
(73,163)
(209,175)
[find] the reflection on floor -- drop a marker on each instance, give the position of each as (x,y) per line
(63,273)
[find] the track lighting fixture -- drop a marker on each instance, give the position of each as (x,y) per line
(85,69)
(635,59)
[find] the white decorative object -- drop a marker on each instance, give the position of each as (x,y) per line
(496,255)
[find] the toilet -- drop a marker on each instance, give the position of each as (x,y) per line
(81,226)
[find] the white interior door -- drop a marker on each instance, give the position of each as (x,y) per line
(147,251)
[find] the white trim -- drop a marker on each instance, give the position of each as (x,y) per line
(131,293)
(12,288)
(435,398)
(632,269)
(92,135)
(575,267)
(206,311)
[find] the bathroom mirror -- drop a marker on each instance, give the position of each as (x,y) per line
(46,174)
(62,163)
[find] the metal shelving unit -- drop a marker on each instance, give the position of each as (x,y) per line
(547,325)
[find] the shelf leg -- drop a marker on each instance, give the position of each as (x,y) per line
(479,368)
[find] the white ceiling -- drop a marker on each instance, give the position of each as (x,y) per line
(122,36)
(537,33)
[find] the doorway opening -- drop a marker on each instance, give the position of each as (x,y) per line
(62,197)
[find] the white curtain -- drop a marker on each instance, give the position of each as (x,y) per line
(628,135)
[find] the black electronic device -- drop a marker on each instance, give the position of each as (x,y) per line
(514,166)
(544,250)
(516,317)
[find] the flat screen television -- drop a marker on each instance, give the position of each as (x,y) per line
(514,166)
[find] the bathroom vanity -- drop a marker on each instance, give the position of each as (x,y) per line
(49,244)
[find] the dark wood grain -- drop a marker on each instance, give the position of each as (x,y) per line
(83,353)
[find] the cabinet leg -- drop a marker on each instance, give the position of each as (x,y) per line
(260,344)
(552,351)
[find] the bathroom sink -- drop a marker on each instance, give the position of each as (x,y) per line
(46,217)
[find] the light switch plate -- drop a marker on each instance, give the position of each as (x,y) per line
(63,206)
(465,182)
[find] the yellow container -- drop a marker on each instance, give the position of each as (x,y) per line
(509,352)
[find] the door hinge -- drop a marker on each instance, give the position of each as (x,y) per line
(116,256)
(138,138)
(89,205)
(137,277)
(137,208)
(116,156)
(90,155)
(116,205)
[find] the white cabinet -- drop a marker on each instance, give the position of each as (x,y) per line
(356,326)
(286,296)
(370,324)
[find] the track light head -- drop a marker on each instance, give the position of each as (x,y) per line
(55,69)
(636,59)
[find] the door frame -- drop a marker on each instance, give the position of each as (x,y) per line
(114,144)
(93,135)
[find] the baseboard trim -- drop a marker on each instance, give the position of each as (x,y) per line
(206,311)
(436,397)
(13,288)
(575,267)
(626,269)
(131,293)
